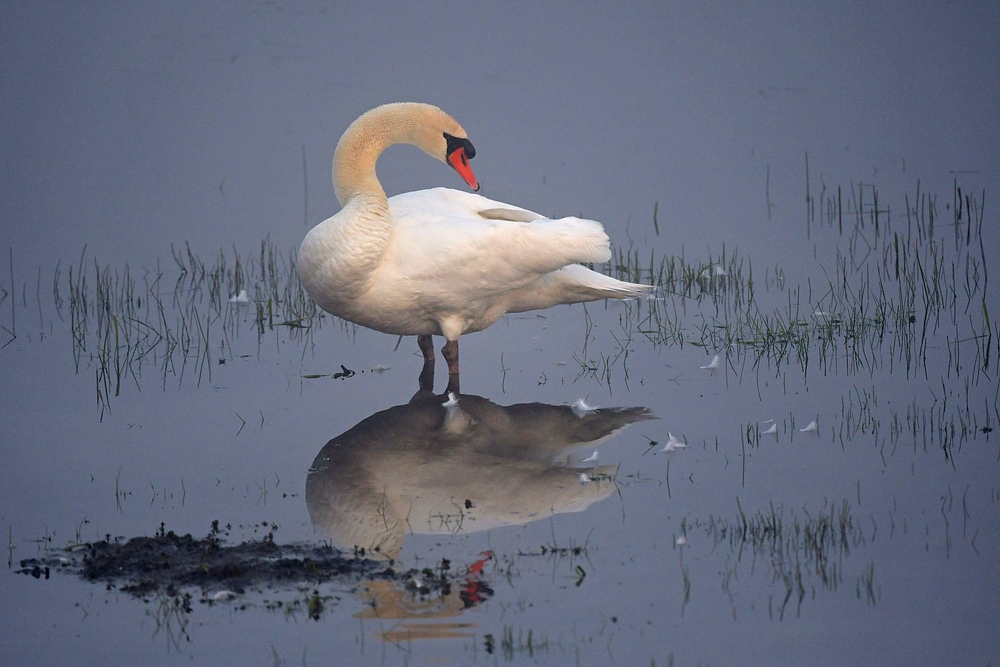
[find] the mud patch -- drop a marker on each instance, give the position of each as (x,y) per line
(168,563)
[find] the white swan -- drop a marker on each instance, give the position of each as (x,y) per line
(440,261)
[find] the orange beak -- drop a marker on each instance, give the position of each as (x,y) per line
(460,163)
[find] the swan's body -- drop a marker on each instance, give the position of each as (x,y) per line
(439,261)
(447,271)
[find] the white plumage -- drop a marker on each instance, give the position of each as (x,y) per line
(439,261)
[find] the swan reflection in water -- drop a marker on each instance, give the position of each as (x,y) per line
(430,467)
(416,615)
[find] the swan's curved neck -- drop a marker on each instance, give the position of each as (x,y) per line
(354,168)
(340,257)
(363,143)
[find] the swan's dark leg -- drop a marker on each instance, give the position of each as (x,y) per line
(450,354)
(426,379)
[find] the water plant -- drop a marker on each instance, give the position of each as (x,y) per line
(182,321)
(888,294)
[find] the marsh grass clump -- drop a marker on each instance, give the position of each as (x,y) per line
(178,320)
(889,294)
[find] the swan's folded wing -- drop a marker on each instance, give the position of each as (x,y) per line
(440,238)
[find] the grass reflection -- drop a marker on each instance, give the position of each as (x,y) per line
(802,551)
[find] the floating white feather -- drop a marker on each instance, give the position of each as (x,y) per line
(673,444)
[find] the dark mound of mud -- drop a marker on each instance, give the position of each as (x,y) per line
(169,562)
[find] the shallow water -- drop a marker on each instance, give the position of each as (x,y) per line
(873,538)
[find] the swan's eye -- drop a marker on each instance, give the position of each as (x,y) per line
(454,143)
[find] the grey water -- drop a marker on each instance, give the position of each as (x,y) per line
(812,188)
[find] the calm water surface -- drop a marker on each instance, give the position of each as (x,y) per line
(812,189)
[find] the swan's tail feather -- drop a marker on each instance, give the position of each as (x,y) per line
(604,287)
(574,284)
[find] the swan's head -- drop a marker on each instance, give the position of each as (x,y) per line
(458,153)
(441,137)
(423,125)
